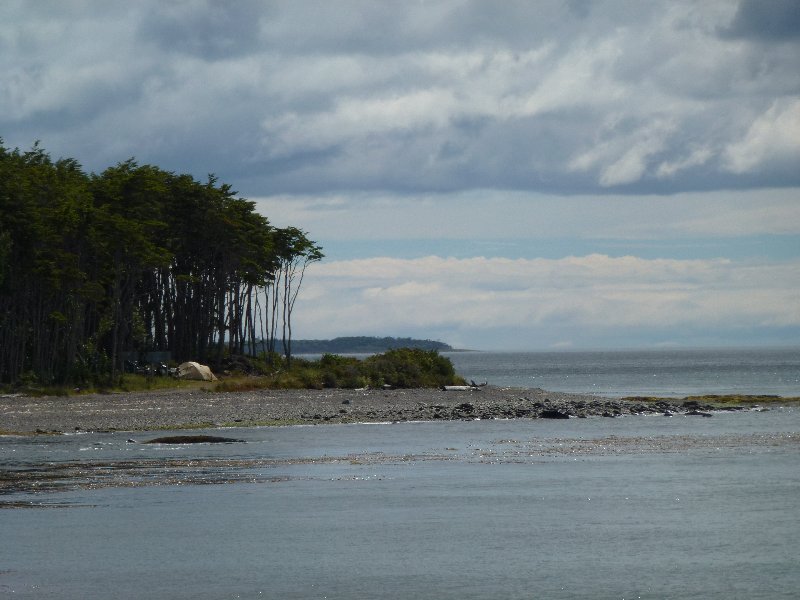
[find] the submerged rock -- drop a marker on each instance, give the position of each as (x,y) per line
(553,414)
(192,439)
(697,413)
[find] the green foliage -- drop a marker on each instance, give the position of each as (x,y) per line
(409,367)
(133,259)
(400,368)
(342,372)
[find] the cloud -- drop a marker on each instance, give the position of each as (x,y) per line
(773,138)
(542,124)
(771,20)
(204,28)
(696,157)
(625,158)
(553,299)
(505,215)
(308,97)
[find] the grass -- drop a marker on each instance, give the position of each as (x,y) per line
(128,383)
(399,368)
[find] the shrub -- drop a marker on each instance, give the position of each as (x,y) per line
(410,367)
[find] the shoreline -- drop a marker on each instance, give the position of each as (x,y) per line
(199,409)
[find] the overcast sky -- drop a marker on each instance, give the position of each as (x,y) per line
(496,175)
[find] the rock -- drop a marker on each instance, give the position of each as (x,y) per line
(553,414)
(697,413)
(192,439)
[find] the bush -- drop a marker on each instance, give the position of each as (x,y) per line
(401,368)
(410,367)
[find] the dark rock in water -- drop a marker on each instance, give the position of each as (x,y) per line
(609,415)
(553,414)
(193,439)
(697,413)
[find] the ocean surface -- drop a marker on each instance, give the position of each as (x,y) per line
(670,373)
(635,507)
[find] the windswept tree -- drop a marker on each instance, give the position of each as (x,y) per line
(295,252)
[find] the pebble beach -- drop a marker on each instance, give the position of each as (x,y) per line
(187,409)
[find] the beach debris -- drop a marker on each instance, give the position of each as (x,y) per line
(459,388)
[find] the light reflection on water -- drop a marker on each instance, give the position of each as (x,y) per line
(654,507)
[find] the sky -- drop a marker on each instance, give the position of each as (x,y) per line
(517,175)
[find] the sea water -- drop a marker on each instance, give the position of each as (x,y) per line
(635,507)
(664,372)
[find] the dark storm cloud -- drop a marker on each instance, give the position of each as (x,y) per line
(766,20)
(313,96)
(211,30)
(375,28)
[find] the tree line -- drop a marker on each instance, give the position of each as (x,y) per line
(365,345)
(135,259)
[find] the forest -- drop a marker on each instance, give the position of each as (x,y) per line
(95,267)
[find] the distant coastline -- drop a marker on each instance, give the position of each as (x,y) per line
(365,345)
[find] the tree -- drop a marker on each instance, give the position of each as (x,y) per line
(295,252)
(131,260)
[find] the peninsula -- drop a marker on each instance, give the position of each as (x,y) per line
(365,345)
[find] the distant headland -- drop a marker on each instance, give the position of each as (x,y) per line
(364,345)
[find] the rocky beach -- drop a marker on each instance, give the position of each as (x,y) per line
(185,409)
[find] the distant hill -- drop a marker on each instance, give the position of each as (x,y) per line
(363,345)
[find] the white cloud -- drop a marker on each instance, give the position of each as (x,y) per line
(773,137)
(493,214)
(553,298)
(697,157)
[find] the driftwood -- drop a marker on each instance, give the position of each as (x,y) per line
(464,388)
